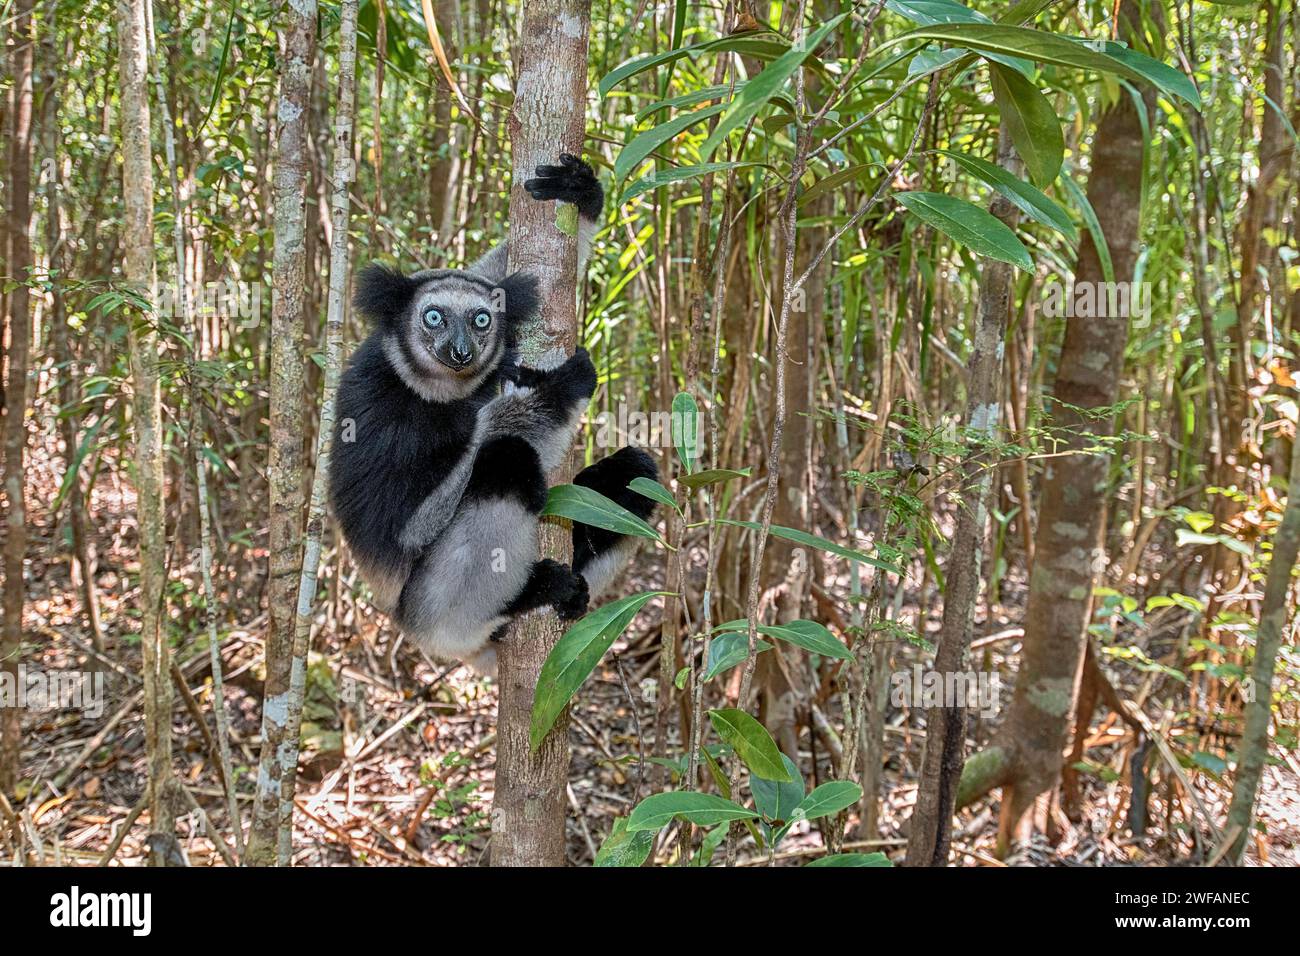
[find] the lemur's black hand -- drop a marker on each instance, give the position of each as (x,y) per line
(573,181)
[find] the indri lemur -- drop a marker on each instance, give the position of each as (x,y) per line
(438,476)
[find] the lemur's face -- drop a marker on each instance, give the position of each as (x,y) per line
(453,329)
(446,331)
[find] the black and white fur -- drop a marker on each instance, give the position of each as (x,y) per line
(438,493)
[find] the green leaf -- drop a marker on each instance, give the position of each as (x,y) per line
(1031,122)
(752,743)
(575,656)
(641,146)
(703,809)
(813,541)
(830,797)
(590,507)
(623,847)
(729,649)
(709,845)
(649,488)
(686,429)
(1161,75)
(809,635)
(766,84)
(1024,196)
(969,225)
(1037,45)
(666,177)
(852,859)
(756,46)
(777,799)
(711,477)
(835,180)
(74,466)
(928,12)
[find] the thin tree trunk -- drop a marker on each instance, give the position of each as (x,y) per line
(60,339)
(550,99)
(144,345)
(340,260)
(195,440)
(285,674)
(1026,755)
(1268,639)
(15,421)
(945,725)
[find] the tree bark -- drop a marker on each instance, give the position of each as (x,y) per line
(15,419)
(285,675)
(1268,639)
(945,726)
(1026,755)
(548,116)
(144,345)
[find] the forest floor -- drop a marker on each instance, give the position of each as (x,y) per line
(397,765)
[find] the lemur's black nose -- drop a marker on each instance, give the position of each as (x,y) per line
(460,354)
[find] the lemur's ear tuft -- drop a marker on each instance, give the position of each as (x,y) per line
(521,299)
(383,293)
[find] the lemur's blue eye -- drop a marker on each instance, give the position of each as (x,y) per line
(432,318)
(482,320)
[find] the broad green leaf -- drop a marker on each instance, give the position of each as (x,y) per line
(776,799)
(589,506)
(729,649)
(751,741)
(767,84)
(623,847)
(969,225)
(1025,197)
(1037,45)
(649,488)
(677,174)
(576,655)
(813,541)
(1033,125)
(1161,75)
(831,797)
(703,809)
(852,859)
(711,477)
(756,46)
(929,12)
(809,635)
(642,145)
(686,429)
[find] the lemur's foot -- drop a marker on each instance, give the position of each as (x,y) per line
(574,604)
(573,181)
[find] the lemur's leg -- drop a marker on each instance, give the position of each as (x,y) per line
(573,181)
(598,555)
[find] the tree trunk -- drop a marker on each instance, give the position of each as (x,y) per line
(285,675)
(15,420)
(1268,639)
(1026,755)
(550,99)
(144,345)
(945,726)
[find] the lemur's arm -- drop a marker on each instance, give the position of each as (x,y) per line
(573,181)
